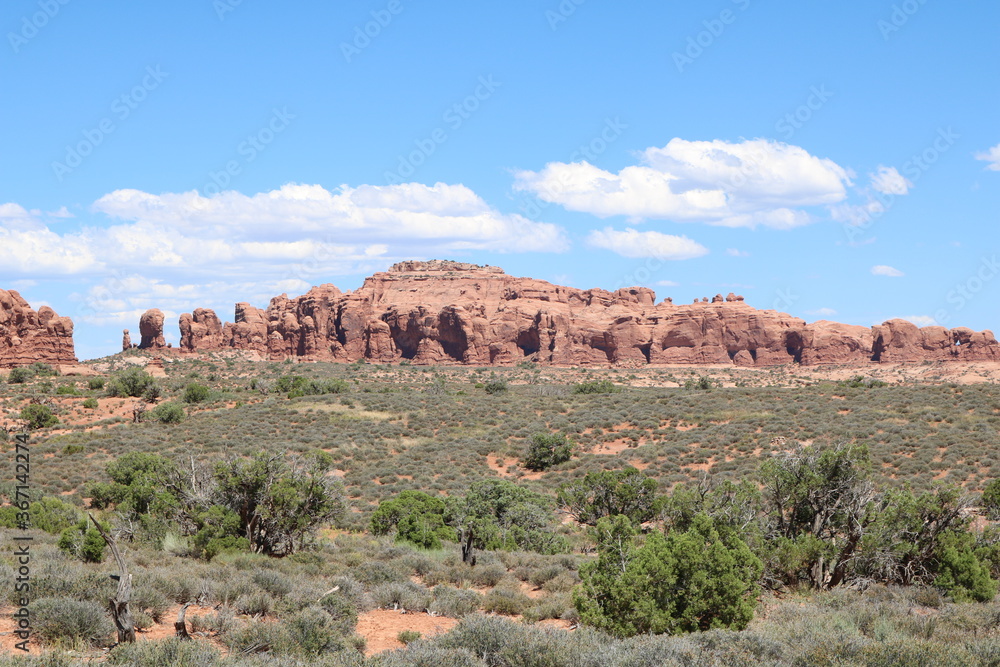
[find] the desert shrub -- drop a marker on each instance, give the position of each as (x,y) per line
(401,595)
(95,383)
(313,632)
(991,499)
(53,515)
(66,390)
(506,602)
(418,517)
(196,393)
(455,602)
(168,413)
(609,493)
(342,610)
(495,386)
(547,450)
(90,403)
(257,603)
(38,416)
(861,382)
(701,579)
(704,383)
(19,375)
(172,652)
(67,620)
(274,582)
(499,514)
(260,637)
(596,387)
(296,386)
(83,541)
(422,654)
(407,636)
(152,393)
(959,571)
(43,370)
(133,381)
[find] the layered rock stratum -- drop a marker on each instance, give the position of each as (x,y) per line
(27,336)
(441,312)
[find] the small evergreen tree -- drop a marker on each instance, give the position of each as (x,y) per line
(547,450)
(701,579)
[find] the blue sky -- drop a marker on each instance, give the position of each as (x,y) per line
(834,160)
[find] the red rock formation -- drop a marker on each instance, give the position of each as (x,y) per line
(448,312)
(151,330)
(126,340)
(27,336)
(201,330)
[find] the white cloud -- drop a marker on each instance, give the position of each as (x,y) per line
(889,181)
(883,270)
(746,184)
(857,215)
(992,156)
(632,243)
(235,234)
(442,215)
(735,252)
(667,283)
(822,312)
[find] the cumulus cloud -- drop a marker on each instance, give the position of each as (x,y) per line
(884,270)
(236,234)
(888,181)
(177,251)
(452,216)
(992,156)
(822,312)
(750,183)
(736,252)
(632,243)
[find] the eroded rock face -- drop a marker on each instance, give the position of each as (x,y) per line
(27,336)
(443,312)
(126,340)
(151,330)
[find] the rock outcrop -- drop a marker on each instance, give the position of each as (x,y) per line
(449,312)
(126,340)
(151,330)
(27,336)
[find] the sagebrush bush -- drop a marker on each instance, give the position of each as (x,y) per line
(63,619)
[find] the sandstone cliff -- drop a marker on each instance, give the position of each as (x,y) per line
(27,336)
(448,312)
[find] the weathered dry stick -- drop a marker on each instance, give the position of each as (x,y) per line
(180,627)
(120,612)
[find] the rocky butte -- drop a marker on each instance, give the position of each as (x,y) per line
(441,312)
(27,336)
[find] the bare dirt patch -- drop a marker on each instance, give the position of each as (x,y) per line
(380,628)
